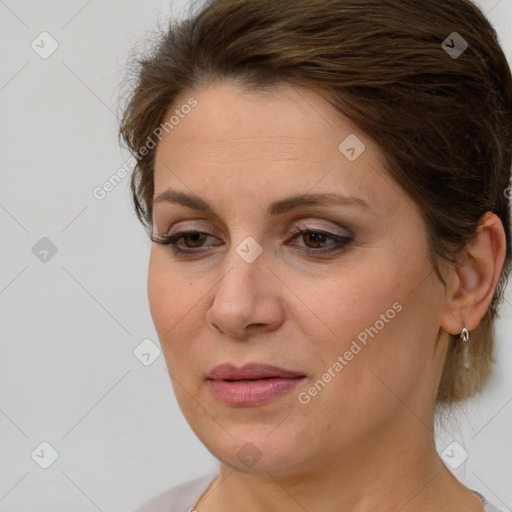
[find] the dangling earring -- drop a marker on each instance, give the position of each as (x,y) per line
(465,339)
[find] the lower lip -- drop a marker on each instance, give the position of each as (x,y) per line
(251,393)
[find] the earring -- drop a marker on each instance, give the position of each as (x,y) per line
(465,339)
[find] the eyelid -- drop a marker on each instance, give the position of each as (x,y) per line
(178,228)
(294,232)
(301,225)
(291,226)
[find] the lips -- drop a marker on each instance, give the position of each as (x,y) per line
(254,371)
(251,385)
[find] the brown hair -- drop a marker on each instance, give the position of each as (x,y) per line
(444,122)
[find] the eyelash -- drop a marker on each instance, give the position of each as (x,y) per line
(341,241)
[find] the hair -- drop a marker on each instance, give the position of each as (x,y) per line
(443,122)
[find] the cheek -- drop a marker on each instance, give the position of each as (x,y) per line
(177,310)
(351,299)
(159,285)
(374,314)
(168,295)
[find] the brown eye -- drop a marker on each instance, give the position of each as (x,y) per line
(195,239)
(192,240)
(314,240)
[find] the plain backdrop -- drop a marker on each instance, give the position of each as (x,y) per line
(73,274)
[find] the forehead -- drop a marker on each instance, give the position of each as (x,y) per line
(289,137)
(231,122)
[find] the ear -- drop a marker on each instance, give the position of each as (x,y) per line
(472,284)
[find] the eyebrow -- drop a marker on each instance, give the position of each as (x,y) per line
(278,207)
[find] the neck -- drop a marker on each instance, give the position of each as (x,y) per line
(385,472)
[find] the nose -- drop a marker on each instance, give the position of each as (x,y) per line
(246,299)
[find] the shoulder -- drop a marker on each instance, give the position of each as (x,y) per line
(181,498)
(489,507)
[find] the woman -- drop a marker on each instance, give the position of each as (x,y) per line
(325,183)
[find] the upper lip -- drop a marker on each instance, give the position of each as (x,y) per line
(251,371)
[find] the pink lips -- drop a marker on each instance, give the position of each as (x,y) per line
(252,384)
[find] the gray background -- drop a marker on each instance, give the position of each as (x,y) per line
(70,321)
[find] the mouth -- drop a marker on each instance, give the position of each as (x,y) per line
(251,385)
(251,371)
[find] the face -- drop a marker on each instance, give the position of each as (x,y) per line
(349,308)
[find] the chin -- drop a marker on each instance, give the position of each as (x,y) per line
(251,449)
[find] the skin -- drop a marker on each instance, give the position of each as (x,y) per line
(365,442)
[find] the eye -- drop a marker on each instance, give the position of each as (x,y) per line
(314,240)
(193,240)
(317,237)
